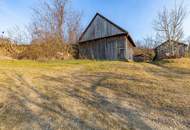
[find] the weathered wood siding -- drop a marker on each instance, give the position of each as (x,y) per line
(104,40)
(113,48)
(129,50)
(100,28)
(173,50)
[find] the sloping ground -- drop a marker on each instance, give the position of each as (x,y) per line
(95,95)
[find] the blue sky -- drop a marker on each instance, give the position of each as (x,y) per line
(136,16)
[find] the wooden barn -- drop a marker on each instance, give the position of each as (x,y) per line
(172,49)
(104,40)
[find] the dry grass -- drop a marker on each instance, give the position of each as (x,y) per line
(94,95)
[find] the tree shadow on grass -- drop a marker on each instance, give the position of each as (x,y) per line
(83,88)
(148,103)
(103,104)
(126,118)
(47,105)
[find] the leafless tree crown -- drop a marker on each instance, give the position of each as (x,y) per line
(147,43)
(169,24)
(55,19)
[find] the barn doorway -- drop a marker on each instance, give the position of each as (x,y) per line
(121,53)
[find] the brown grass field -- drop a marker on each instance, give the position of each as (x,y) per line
(94,95)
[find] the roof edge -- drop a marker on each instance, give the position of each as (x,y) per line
(120,28)
(95,39)
(122,34)
(172,41)
(131,40)
(98,14)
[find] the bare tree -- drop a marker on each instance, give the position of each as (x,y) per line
(138,43)
(146,47)
(169,23)
(18,35)
(147,43)
(55,24)
(74,28)
(49,19)
(57,20)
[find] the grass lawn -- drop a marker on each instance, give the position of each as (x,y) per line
(94,95)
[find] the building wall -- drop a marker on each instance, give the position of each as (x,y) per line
(173,50)
(100,28)
(113,48)
(129,50)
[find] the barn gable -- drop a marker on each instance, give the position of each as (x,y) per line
(104,40)
(100,27)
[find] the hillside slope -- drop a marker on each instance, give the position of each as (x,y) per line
(95,95)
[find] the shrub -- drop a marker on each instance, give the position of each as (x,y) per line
(49,51)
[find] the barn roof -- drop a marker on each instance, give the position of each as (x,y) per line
(166,42)
(123,32)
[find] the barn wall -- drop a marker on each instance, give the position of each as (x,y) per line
(100,28)
(129,50)
(113,48)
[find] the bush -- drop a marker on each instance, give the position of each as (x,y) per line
(49,51)
(143,54)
